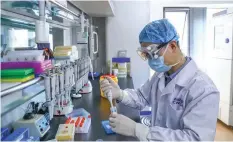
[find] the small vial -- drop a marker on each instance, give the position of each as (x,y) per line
(113,109)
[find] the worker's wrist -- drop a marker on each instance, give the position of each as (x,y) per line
(121,96)
(141,131)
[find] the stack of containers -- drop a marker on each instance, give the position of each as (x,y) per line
(17,75)
(22,59)
(69,53)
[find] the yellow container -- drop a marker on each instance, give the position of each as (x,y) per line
(114,78)
(65,132)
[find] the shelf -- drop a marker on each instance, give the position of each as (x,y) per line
(29,91)
(28,11)
(17,86)
(64,8)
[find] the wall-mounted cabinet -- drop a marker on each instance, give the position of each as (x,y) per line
(56,14)
(104,8)
(19,18)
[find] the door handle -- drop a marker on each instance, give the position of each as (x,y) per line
(97,43)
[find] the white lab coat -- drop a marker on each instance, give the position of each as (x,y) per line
(184,110)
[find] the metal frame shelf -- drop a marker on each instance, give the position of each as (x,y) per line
(27,89)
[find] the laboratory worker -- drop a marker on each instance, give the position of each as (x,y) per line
(184,100)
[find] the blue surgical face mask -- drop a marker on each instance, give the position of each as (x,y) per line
(158,65)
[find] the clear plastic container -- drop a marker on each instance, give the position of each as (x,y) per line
(78,112)
(122,70)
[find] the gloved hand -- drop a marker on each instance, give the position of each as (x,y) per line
(122,124)
(109,85)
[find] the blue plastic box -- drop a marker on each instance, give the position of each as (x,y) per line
(107,127)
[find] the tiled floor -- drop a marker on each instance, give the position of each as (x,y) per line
(223,132)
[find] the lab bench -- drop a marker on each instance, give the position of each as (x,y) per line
(99,108)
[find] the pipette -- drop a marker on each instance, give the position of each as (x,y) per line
(91,68)
(112,108)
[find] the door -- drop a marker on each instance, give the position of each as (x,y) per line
(220,64)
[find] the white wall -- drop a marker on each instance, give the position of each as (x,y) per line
(156,10)
(122,32)
(156,13)
(197,25)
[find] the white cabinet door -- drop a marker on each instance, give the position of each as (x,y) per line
(226,113)
(223,37)
(220,71)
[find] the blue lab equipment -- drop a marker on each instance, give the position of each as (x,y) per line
(4,133)
(107,127)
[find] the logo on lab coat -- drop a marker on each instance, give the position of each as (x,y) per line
(178,101)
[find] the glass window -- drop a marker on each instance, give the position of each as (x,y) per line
(179,18)
(18,38)
(12,37)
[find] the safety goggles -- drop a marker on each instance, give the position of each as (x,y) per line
(150,52)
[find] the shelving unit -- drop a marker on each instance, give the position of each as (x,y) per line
(26,13)
(29,89)
(57,16)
